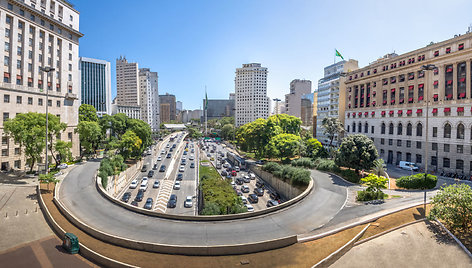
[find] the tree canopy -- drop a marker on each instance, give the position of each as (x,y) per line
(357,152)
(285,145)
(453,206)
(87,113)
(130,145)
(332,127)
(90,135)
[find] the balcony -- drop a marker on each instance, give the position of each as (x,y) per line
(71,96)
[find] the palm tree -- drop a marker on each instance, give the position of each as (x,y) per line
(379,167)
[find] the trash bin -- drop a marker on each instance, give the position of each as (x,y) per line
(71,243)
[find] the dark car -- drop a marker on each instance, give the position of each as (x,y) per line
(238,192)
(259,191)
(275,196)
(148,204)
(180,176)
(272,203)
(260,162)
(192,165)
(144,169)
(253,198)
(125,198)
(239,181)
(260,184)
(171,149)
(185,152)
(150,173)
(172,201)
(174,145)
(169,156)
(163,168)
(139,197)
(155,166)
(224,173)
(134,203)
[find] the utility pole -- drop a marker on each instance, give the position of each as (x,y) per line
(47,70)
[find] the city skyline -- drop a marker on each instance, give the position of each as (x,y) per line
(178,42)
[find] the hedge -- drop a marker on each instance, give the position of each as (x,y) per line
(293,175)
(369,195)
(417,181)
(303,162)
(330,166)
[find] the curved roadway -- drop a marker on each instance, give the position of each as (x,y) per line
(80,196)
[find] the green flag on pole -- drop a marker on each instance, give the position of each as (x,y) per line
(338,54)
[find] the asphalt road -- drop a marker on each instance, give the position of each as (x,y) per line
(79,195)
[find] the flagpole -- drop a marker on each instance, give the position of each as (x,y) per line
(334,58)
(206,112)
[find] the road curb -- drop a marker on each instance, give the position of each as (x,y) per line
(326,262)
(455,239)
(387,231)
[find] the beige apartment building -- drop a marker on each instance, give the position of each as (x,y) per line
(127,83)
(387,101)
(293,100)
(34,34)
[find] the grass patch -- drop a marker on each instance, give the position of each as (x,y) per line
(394,196)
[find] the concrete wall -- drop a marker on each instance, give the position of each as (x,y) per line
(283,188)
(117,182)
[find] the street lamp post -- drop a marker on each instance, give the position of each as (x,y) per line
(47,70)
(427,67)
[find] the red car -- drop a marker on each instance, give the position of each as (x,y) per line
(234,173)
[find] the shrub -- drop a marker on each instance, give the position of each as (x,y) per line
(293,175)
(349,175)
(303,162)
(453,206)
(326,165)
(271,167)
(369,195)
(417,181)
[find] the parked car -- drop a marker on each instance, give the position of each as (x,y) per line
(238,192)
(259,191)
(134,184)
(163,168)
(63,166)
(180,176)
(234,173)
(172,201)
(144,168)
(125,198)
(188,202)
(237,168)
(139,197)
(253,198)
(272,203)
(134,203)
(252,176)
(151,173)
(156,184)
(224,173)
(245,189)
(408,165)
(177,185)
(148,204)
(249,207)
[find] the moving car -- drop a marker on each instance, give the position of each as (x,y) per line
(250,208)
(272,203)
(182,169)
(139,197)
(244,199)
(259,191)
(180,176)
(172,201)
(245,189)
(169,156)
(148,204)
(159,158)
(144,185)
(177,185)
(125,198)
(253,198)
(191,157)
(151,173)
(163,168)
(133,184)
(192,165)
(144,169)
(156,184)
(155,167)
(188,202)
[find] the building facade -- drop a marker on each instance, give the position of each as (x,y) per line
(127,83)
(330,100)
(130,111)
(38,35)
(279,108)
(218,109)
(96,84)
(189,115)
(293,100)
(178,107)
(390,100)
(306,109)
(251,93)
(148,82)
(167,108)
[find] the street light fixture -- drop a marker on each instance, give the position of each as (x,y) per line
(47,69)
(427,67)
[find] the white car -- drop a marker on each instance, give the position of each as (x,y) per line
(250,208)
(163,152)
(191,157)
(188,202)
(182,169)
(134,184)
(159,158)
(177,185)
(244,199)
(63,166)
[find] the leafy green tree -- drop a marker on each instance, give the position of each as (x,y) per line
(130,145)
(287,123)
(227,120)
(332,127)
(105,123)
(453,206)
(63,151)
(194,133)
(227,132)
(313,147)
(55,128)
(143,130)
(375,183)
(118,124)
(285,145)
(90,135)
(357,152)
(28,130)
(87,113)
(378,168)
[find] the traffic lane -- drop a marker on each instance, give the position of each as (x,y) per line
(188,188)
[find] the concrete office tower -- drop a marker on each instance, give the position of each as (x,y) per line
(279,108)
(390,100)
(189,115)
(251,93)
(38,34)
(127,83)
(167,110)
(294,98)
(331,95)
(148,82)
(96,84)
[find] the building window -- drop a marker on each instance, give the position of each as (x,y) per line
(399,143)
(4,140)
(408,144)
(17,151)
(460,164)
(409,129)
(390,142)
(6,61)
(372,128)
(435,131)
(447,130)
(460,131)
(434,146)
(446,163)
(447,148)
(382,128)
(460,149)
(6,98)
(418,145)
(419,159)
(58,103)
(434,161)
(419,130)
(69,135)
(10,6)
(4,152)
(19,99)
(400,129)
(40,102)
(6,116)
(390,129)
(49,103)
(382,141)
(30,101)
(17,164)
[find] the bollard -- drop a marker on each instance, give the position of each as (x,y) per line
(36,210)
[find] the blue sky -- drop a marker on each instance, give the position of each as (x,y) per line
(193,44)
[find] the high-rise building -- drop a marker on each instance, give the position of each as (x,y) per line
(178,106)
(167,109)
(306,109)
(251,93)
(293,99)
(331,96)
(279,108)
(392,99)
(35,36)
(232,96)
(148,82)
(127,83)
(218,109)
(96,84)
(189,115)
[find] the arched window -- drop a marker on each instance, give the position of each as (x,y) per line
(400,129)
(460,131)
(353,127)
(366,127)
(382,129)
(360,127)
(409,128)
(390,129)
(348,128)
(419,130)
(447,130)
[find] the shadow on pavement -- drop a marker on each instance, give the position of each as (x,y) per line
(440,234)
